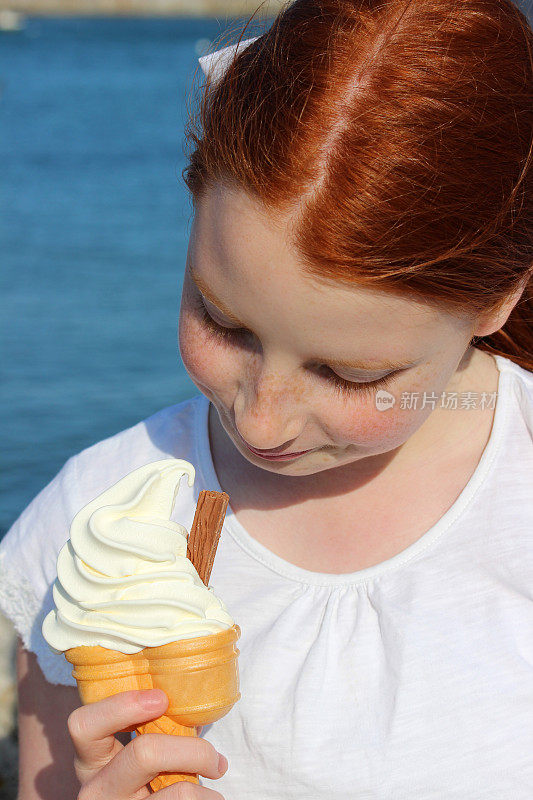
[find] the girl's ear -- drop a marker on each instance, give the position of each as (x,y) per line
(492,321)
(215,64)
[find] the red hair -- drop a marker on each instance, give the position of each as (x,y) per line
(398,135)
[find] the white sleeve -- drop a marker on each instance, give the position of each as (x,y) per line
(28,567)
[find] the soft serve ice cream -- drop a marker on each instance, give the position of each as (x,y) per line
(124,581)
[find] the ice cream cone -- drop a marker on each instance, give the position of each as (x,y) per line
(199,675)
(121,545)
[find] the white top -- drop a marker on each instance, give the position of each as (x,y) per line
(409,680)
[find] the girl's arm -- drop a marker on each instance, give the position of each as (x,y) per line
(46,752)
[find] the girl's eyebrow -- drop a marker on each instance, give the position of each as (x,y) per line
(362,366)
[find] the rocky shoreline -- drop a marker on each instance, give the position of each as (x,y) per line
(8,712)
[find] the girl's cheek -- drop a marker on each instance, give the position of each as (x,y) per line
(369,428)
(374,425)
(206,362)
(196,356)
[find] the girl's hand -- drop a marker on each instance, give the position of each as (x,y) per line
(108,770)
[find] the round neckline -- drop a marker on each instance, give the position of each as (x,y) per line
(291,571)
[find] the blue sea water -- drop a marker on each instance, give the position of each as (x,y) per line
(94,224)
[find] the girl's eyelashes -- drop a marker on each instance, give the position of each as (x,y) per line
(341,386)
(220,331)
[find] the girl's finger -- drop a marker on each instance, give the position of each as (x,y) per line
(92,727)
(147,756)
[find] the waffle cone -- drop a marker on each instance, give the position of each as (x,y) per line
(199,676)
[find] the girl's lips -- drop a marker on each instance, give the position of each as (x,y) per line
(284,457)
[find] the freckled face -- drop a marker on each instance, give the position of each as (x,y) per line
(263,342)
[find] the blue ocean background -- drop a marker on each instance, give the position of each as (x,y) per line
(94,224)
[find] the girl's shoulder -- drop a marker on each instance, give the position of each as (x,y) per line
(521,373)
(519,385)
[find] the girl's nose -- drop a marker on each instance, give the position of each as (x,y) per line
(267,413)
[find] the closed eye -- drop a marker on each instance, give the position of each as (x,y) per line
(221,331)
(344,387)
(241,336)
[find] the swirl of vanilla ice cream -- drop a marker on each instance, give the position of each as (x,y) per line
(124,581)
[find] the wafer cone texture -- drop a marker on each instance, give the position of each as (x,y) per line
(199,675)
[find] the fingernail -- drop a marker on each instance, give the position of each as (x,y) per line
(150,698)
(222,763)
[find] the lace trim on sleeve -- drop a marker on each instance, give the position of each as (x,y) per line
(19,603)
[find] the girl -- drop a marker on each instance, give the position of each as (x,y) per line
(356,313)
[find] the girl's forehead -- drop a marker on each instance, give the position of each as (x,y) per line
(241,256)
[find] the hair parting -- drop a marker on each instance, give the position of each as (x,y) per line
(396,137)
